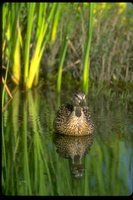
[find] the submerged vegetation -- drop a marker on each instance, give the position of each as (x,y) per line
(41,42)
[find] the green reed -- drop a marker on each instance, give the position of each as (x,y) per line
(86,61)
(4,86)
(65,33)
(55,22)
(16,40)
(61,62)
(41,42)
(31,9)
(31,30)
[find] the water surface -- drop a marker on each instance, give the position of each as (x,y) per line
(36,162)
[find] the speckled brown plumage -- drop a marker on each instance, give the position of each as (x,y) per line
(74,118)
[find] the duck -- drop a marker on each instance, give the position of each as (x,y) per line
(74,118)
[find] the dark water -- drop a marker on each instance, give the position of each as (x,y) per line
(37,162)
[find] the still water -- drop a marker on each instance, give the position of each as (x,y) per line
(35,161)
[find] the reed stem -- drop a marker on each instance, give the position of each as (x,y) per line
(86,64)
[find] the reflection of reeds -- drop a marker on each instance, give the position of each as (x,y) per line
(31,166)
(24,159)
(114,173)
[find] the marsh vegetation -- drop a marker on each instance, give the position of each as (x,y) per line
(50,50)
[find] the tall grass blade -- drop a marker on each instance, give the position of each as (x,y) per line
(16,65)
(62,58)
(14,39)
(86,64)
(35,61)
(63,50)
(55,22)
(4,86)
(30,20)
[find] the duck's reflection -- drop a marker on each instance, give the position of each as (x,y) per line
(74,148)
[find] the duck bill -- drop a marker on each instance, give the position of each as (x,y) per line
(83,103)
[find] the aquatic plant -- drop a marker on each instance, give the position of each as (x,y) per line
(48,41)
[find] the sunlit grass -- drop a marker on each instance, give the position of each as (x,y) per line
(5,87)
(32,30)
(41,25)
(61,62)
(38,23)
(86,61)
